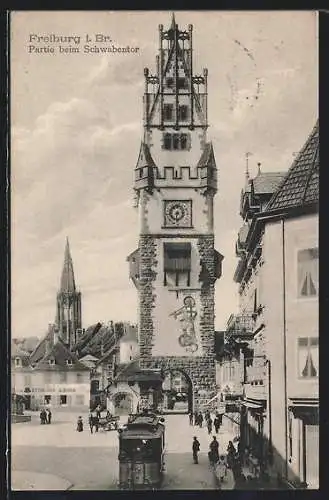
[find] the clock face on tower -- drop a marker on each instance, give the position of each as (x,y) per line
(178,213)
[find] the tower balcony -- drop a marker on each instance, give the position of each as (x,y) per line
(240,326)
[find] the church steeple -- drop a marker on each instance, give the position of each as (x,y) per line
(67,278)
(68,311)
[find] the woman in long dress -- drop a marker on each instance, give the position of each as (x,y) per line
(221,468)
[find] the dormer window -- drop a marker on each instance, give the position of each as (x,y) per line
(18,362)
(52,361)
(69,362)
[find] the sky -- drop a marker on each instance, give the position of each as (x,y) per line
(76,127)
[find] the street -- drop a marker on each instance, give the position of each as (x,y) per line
(56,457)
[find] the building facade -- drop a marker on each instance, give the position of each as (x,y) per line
(176,266)
(53,378)
(277,274)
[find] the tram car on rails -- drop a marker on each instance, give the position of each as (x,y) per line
(141,452)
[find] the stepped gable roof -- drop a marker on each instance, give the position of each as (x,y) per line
(300,186)
(265,182)
(145,158)
(61,354)
(67,278)
(208,156)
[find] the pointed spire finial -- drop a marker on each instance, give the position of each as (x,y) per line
(67,278)
(173,21)
(259,170)
(247,167)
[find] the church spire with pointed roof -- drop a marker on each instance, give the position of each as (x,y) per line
(68,310)
(67,278)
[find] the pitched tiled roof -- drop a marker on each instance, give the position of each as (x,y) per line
(61,354)
(207,157)
(145,158)
(265,182)
(86,337)
(40,350)
(300,186)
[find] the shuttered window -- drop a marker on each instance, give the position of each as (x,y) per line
(177,257)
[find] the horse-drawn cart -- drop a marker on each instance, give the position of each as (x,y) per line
(108,422)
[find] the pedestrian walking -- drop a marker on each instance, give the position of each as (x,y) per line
(220,419)
(230,454)
(209,425)
(190,416)
(80,424)
(91,422)
(221,468)
(200,419)
(196,418)
(49,415)
(195,449)
(216,424)
(214,447)
(43,416)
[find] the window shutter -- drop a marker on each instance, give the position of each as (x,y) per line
(177,257)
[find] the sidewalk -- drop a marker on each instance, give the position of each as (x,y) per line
(223,438)
(27,480)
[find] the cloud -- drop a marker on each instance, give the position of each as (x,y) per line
(74,148)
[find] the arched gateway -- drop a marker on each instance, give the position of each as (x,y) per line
(176,266)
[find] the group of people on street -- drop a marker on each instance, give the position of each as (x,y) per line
(197,420)
(45,416)
(232,460)
(93,420)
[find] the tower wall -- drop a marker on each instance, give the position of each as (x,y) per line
(176,180)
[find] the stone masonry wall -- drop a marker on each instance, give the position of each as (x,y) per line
(148,262)
(200,370)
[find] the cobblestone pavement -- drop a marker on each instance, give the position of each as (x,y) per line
(89,461)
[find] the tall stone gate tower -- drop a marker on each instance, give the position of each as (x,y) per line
(175,266)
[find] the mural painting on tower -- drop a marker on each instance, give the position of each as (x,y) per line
(186,316)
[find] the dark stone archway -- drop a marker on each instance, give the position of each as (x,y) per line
(177,391)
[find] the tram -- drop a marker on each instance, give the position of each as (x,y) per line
(141,452)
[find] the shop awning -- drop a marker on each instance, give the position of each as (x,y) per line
(250,404)
(212,399)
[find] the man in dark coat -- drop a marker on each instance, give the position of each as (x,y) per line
(216,423)
(214,454)
(190,416)
(195,449)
